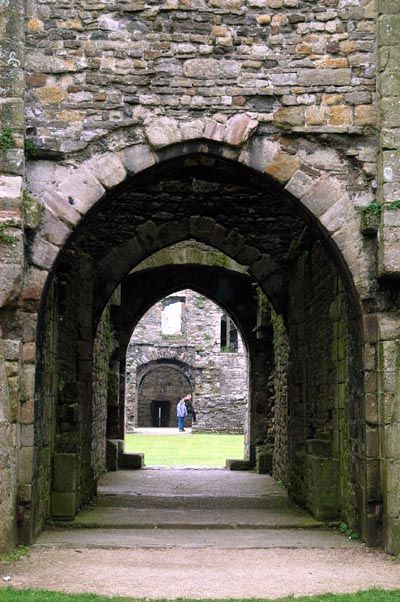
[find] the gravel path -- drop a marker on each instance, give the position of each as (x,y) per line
(204,573)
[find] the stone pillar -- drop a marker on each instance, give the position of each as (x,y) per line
(11,254)
(389,418)
(389,267)
(389,163)
(261,397)
(8,468)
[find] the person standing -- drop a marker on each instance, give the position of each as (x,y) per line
(190,409)
(181,413)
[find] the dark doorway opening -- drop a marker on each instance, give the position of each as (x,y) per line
(160,411)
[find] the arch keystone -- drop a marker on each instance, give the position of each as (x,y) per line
(163,132)
(192,129)
(174,232)
(137,158)
(148,234)
(202,227)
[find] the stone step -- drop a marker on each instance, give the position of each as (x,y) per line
(195,538)
(223,518)
(194,502)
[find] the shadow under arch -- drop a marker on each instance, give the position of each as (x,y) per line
(160,206)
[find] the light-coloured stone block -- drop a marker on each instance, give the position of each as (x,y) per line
(81,189)
(137,158)
(108,169)
(162,132)
(322,195)
(238,129)
(10,191)
(44,254)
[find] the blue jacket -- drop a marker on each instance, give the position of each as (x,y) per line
(181,410)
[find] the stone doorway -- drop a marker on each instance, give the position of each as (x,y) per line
(160,413)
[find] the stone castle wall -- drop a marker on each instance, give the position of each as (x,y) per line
(193,361)
(96,72)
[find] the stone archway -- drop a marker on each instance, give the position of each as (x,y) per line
(312,124)
(158,389)
(322,215)
(172,378)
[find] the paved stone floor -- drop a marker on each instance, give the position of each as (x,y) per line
(200,533)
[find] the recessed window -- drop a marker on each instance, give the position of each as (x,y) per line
(171,316)
(229,335)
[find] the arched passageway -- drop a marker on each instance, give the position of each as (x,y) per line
(286,256)
(177,349)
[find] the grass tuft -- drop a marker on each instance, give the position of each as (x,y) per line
(16,554)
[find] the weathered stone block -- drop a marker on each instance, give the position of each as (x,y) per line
(323,491)
(211,68)
(299,183)
(81,189)
(282,167)
(64,504)
(237,464)
(323,77)
(263,267)
(259,153)
(61,207)
(289,117)
(44,254)
(10,191)
(391,112)
(389,30)
(53,229)
(192,129)
(25,464)
(137,158)
(162,132)
(148,234)
(202,227)
(264,460)
(238,129)
(24,493)
(112,455)
(131,461)
(213,130)
(108,169)
(65,472)
(389,251)
(324,193)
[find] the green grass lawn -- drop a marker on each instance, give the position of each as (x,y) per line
(198,449)
(27,595)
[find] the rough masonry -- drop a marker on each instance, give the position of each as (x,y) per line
(197,358)
(263,137)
